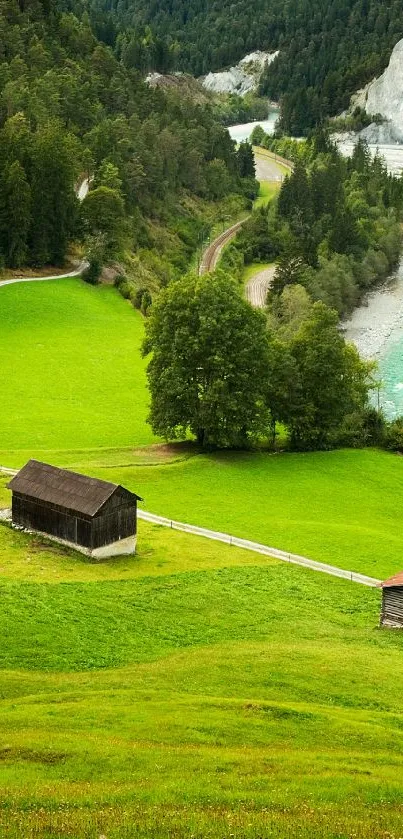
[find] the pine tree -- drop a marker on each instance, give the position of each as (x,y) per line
(16,215)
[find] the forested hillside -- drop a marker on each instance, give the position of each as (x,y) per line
(328,48)
(70,108)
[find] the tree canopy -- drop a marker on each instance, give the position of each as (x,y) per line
(328,49)
(209,363)
(73,106)
(216,371)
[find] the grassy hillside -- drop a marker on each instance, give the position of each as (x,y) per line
(72,375)
(195,689)
(340,507)
(74,383)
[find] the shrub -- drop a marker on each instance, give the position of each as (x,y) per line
(92,274)
(123,286)
(141,299)
(394,435)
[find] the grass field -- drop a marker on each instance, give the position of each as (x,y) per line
(72,375)
(74,386)
(341,507)
(267,191)
(195,690)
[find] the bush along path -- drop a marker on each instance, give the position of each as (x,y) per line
(248,545)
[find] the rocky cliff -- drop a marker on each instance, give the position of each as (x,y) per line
(385,96)
(242,78)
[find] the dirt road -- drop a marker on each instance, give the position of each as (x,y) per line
(256,288)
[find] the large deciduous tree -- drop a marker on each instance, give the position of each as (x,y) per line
(209,364)
(103,214)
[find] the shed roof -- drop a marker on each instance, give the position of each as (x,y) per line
(64,488)
(396,580)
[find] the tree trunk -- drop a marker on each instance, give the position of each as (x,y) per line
(201,433)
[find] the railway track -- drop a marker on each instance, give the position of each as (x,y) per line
(212,253)
(268,167)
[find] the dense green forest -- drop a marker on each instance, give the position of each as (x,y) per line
(334,231)
(70,108)
(335,228)
(328,48)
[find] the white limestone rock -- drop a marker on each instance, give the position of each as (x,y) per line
(385,96)
(243,78)
(385,134)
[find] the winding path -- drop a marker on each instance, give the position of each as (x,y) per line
(271,168)
(75,273)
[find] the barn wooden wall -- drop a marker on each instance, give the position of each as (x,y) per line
(118,520)
(392,605)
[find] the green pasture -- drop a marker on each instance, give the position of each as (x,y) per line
(267,191)
(341,507)
(71,372)
(194,690)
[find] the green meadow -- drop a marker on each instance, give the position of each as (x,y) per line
(341,507)
(71,372)
(74,393)
(267,191)
(194,690)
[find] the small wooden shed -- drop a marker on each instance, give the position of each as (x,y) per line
(95,517)
(392,601)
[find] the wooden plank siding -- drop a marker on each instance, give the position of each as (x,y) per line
(89,532)
(392,606)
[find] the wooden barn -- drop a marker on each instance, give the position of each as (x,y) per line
(392,601)
(95,517)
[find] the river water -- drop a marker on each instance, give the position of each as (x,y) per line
(243,131)
(376,328)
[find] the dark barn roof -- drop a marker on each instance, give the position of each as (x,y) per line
(396,580)
(65,489)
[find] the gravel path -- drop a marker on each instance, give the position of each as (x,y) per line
(267,170)
(256,547)
(75,273)
(257,286)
